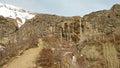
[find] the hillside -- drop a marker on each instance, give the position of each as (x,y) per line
(91,41)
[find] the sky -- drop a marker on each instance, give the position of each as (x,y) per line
(63,7)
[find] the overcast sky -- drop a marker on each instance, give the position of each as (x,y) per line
(63,7)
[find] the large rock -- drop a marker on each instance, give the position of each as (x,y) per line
(8,27)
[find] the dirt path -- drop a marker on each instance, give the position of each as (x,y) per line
(27,59)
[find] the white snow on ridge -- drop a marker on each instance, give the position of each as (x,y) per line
(15,13)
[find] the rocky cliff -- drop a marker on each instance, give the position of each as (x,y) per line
(44,24)
(8,27)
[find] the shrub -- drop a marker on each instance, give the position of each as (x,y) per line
(45,59)
(110,56)
(91,53)
(14,49)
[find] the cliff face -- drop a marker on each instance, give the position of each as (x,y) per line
(8,27)
(105,21)
(102,23)
(43,24)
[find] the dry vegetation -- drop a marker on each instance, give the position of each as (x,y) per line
(110,56)
(101,53)
(14,49)
(58,53)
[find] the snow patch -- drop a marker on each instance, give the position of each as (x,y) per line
(15,12)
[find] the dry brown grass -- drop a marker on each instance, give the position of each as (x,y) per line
(92,54)
(110,56)
(60,54)
(46,58)
(102,52)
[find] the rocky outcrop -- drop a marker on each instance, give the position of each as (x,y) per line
(8,27)
(105,21)
(44,24)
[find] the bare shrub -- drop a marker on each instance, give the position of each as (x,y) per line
(110,56)
(33,40)
(9,51)
(14,49)
(91,53)
(45,59)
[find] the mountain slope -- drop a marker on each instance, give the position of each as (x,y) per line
(16,13)
(99,34)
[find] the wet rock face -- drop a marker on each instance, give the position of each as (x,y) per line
(105,22)
(7,26)
(44,24)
